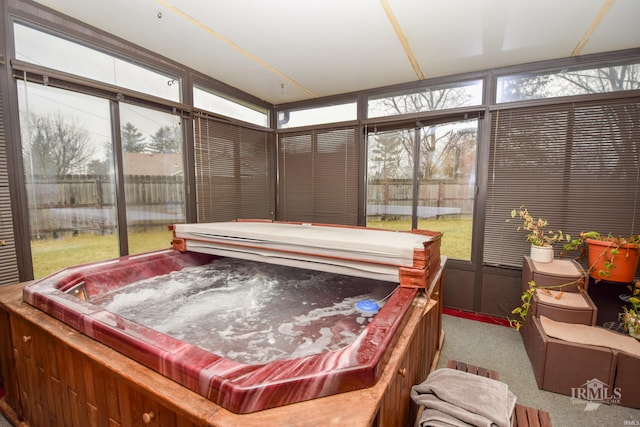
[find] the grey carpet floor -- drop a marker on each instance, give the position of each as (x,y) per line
(501,348)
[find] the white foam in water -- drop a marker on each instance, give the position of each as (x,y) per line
(249,311)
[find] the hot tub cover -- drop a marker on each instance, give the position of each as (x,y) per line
(358,251)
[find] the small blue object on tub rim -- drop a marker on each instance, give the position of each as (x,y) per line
(367,306)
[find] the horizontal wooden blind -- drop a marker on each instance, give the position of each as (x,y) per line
(8,261)
(235,172)
(576,165)
(318,176)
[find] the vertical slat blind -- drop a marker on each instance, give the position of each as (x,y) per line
(8,261)
(318,176)
(235,172)
(576,165)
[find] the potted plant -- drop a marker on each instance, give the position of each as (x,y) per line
(610,258)
(540,238)
(630,317)
(614,259)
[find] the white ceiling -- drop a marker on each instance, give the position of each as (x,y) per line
(290,50)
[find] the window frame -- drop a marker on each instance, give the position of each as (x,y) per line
(170,75)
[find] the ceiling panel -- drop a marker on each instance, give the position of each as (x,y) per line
(322,46)
(463,35)
(449,38)
(289,50)
(619,28)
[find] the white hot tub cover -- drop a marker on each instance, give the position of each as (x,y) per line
(347,250)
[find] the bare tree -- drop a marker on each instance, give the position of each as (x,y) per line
(570,82)
(425,100)
(445,155)
(518,88)
(603,79)
(435,147)
(56,147)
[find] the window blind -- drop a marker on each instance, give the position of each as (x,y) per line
(235,171)
(318,176)
(8,262)
(576,165)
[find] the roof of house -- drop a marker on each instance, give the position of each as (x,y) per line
(152,164)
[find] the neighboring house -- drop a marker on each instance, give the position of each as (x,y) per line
(152,164)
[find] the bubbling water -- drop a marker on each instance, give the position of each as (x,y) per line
(248,311)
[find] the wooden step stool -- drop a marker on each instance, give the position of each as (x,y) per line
(524,416)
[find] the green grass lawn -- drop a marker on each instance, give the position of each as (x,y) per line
(456,239)
(51,255)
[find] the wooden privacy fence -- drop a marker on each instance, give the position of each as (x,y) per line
(74,203)
(435,198)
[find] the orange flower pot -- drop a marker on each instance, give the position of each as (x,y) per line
(625,261)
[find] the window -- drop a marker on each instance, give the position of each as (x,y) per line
(226,106)
(318,173)
(568,82)
(76,213)
(69,174)
(434,192)
(576,165)
(8,259)
(235,172)
(390,179)
(54,52)
(426,99)
(317,115)
(153,169)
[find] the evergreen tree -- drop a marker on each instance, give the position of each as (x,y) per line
(132,139)
(165,141)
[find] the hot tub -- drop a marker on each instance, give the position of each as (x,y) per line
(83,297)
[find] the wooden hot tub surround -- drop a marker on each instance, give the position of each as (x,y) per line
(56,375)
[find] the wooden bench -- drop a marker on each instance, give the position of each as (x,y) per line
(524,416)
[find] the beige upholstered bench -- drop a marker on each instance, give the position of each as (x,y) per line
(570,307)
(566,356)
